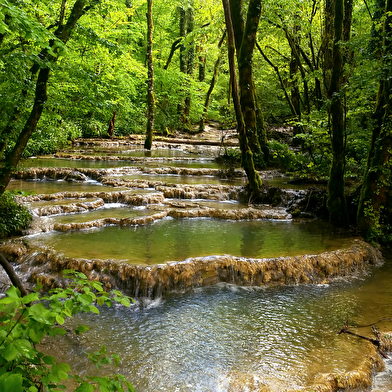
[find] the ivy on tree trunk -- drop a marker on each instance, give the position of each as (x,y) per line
(246,153)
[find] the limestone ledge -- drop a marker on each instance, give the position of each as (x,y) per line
(154,280)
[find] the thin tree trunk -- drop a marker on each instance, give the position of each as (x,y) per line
(212,84)
(190,58)
(174,47)
(12,275)
(247,155)
(150,81)
(337,207)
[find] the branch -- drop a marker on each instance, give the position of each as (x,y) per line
(12,275)
(375,342)
(174,47)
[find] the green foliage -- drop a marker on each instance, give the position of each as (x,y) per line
(25,321)
(284,157)
(14,217)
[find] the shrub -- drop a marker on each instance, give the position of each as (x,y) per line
(25,321)
(14,217)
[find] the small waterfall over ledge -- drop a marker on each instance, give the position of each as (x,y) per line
(154,281)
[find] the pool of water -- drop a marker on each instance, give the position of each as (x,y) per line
(80,163)
(196,341)
(185,180)
(178,239)
(47,187)
(108,211)
(133,151)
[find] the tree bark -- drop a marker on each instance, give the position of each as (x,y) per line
(150,79)
(337,206)
(246,153)
(245,40)
(374,208)
(12,275)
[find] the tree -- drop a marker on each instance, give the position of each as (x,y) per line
(47,57)
(246,153)
(337,206)
(245,40)
(150,79)
(374,204)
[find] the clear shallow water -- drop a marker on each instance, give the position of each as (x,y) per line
(178,239)
(46,187)
(133,151)
(195,341)
(177,179)
(80,163)
(109,211)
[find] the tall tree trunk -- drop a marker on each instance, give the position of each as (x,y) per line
(374,209)
(150,79)
(246,153)
(337,207)
(245,40)
(63,33)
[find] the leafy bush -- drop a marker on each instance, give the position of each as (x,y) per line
(283,157)
(25,321)
(14,217)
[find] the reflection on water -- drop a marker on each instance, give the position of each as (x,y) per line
(285,336)
(178,239)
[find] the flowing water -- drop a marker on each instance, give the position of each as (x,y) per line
(198,340)
(202,339)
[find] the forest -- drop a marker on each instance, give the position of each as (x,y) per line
(305,83)
(319,68)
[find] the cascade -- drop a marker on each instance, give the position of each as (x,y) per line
(185,237)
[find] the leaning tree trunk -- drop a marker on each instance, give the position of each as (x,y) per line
(190,59)
(63,33)
(212,84)
(246,153)
(150,79)
(373,208)
(337,206)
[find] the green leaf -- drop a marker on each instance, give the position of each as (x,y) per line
(93,309)
(60,319)
(85,387)
(24,347)
(10,352)
(49,360)
(11,382)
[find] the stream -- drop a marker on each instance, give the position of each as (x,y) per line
(211,338)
